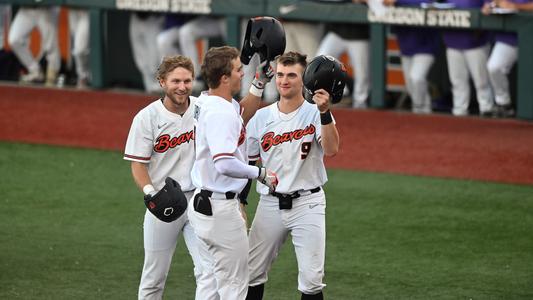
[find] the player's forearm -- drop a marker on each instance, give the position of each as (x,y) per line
(140,174)
(235,168)
(250,105)
(524,6)
(330,139)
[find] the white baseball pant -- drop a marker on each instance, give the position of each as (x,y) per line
(501,61)
(415,70)
(160,240)
(224,241)
(45,18)
(359,54)
(79,30)
(203,27)
(306,222)
(167,42)
(302,37)
(143,37)
(461,65)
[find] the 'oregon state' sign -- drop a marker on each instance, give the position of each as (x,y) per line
(422,17)
(181,6)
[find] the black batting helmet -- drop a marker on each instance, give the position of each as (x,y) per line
(169,203)
(264,35)
(324,72)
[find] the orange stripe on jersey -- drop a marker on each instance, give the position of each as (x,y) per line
(254,156)
(136,157)
(222,154)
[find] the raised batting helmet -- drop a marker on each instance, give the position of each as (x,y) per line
(324,72)
(264,35)
(169,203)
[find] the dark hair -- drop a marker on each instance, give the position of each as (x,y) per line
(292,58)
(170,63)
(217,63)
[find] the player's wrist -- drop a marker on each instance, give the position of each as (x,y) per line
(148,189)
(326,118)
(257,89)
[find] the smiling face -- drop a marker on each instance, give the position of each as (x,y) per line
(177,86)
(289,80)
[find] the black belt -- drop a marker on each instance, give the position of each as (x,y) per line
(285,200)
(207,193)
(295,194)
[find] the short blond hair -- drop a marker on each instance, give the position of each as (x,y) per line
(170,63)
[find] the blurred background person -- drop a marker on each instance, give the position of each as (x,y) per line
(45,19)
(467,55)
(79,30)
(418,48)
(502,58)
(202,27)
(143,30)
(354,40)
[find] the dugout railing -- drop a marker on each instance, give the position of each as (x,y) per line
(234,10)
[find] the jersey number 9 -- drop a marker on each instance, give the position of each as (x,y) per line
(306,148)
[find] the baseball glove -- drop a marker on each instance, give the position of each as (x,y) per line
(169,203)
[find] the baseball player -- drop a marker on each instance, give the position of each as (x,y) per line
(221,171)
(143,30)
(45,19)
(161,144)
(291,137)
(78,19)
(467,55)
(418,47)
(503,57)
(353,39)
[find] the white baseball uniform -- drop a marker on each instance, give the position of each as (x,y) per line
(45,19)
(79,29)
(202,27)
(143,30)
(501,60)
(289,145)
(165,141)
(220,134)
(358,49)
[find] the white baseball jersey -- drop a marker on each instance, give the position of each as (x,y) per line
(220,133)
(155,133)
(289,144)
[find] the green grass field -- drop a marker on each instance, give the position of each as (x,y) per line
(71,228)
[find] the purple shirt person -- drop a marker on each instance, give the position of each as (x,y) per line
(415,40)
(465,38)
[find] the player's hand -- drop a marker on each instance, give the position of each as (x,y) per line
(487,7)
(268,178)
(322,100)
(263,74)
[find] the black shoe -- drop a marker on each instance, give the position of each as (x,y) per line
(488,114)
(505,111)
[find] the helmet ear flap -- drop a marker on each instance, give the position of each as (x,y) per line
(247,50)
